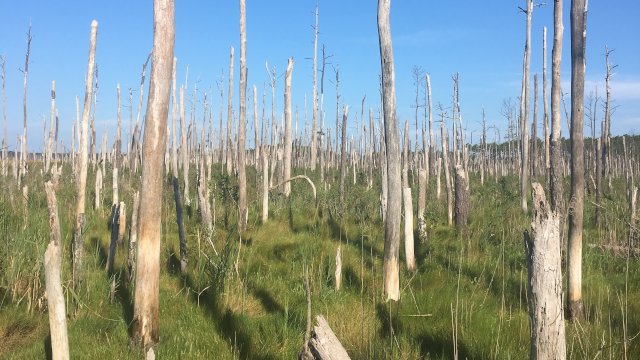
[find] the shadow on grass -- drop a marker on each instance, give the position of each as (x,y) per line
(268,302)
(436,345)
(227,324)
(100,250)
(47,347)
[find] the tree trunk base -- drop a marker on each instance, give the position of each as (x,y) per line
(575,310)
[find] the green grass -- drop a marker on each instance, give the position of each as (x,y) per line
(473,285)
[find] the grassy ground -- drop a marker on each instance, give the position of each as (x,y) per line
(468,296)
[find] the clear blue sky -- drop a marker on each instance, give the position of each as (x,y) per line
(483,41)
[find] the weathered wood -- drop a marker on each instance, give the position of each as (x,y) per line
(546,314)
(338,273)
(462,204)
(524,112)
(286,159)
(297,177)
(409,254)
(53,268)
(422,196)
(343,153)
(243,210)
(324,344)
(391,272)
(146,301)
(133,237)
(576,214)
(78,239)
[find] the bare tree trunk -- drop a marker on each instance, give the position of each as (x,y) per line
(391,273)
(524,113)
(534,130)
(546,315)
(146,301)
(53,269)
(4,121)
(184,149)
(462,199)
(242,123)
(574,258)
(432,154)
(422,196)
(338,273)
(447,174)
(598,183)
(23,152)
(545,102)
(229,150)
(133,237)
(343,153)
(314,146)
(78,241)
(287,127)
(556,178)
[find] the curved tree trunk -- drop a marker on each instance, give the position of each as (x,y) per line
(146,301)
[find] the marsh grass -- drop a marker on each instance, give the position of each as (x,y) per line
(475,284)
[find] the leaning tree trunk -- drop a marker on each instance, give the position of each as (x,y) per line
(546,315)
(78,242)
(574,252)
(242,123)
(146,301)
(390,273)
(53,269)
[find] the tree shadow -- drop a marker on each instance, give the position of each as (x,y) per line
(100,250)
(268,301)
(436,345)
(47,347)
(227,324)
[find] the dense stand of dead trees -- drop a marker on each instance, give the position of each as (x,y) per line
(279,151)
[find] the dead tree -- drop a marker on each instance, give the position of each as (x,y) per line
(146,301)
(323,343)
(432,155)
(4,120)
(391,273)
(287,127)
(78,240)
(229,149)
(534,130)
(242,123)
(524,111)
(556,177)
(606,133)
(343,153)
(574,252)
(184,149)
(314,111)
(545,103)
(53,269)
(408,204)
(542,246)
(447,172)
(461,199)
(133,237)
(25,71)
(174,172)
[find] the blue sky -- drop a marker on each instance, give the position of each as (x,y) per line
(483,41)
